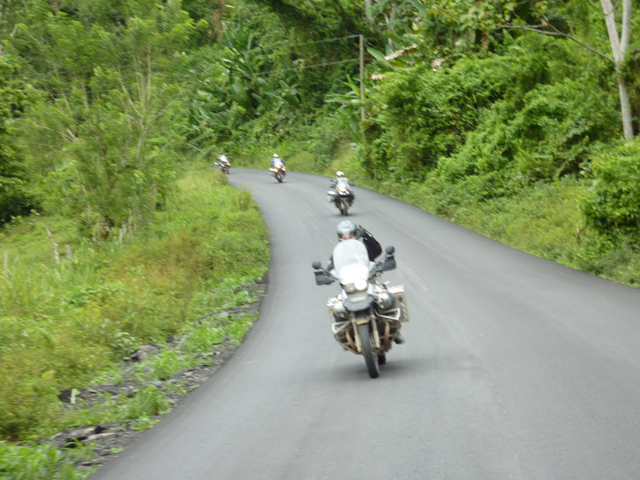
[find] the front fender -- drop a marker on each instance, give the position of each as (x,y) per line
(359,306)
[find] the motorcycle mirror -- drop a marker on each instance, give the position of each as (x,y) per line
(323,278)
(316,265)
(390,249)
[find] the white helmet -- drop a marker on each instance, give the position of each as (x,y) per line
(275,155)
(347,229)
(339,174)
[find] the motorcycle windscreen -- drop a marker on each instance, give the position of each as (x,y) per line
(351,261)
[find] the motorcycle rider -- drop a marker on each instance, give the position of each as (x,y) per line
(347,230)
(277,161)
(342,180)
(222,158)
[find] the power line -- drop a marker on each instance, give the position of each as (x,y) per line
(264,47)
(258,75)
(312,43)
(302,68)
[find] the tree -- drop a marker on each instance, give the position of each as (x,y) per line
(13,201)
(101,138)
(496,15)
(619,45)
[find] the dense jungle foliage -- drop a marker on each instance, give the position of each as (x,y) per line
(512,117)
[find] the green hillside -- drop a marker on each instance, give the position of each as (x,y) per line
(516,119)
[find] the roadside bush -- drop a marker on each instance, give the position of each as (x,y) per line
(36,462)
(529,110)
(548,136)
(429,114)
(613,207)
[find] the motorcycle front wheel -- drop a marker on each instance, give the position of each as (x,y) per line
(344,209)
(368,350)
(279,177)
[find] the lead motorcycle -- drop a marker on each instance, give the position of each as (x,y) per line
(367,315)
(279,171)
(223,165)
(341,196)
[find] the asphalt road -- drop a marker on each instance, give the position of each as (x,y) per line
(514,366)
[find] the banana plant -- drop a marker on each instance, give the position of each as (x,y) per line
(349,109)
(248,73)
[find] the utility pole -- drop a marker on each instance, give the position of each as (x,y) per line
(364,146)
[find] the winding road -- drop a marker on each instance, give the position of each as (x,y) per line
(514,368)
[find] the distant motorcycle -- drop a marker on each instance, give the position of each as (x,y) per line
(367,315)
(223,165)
(279,171)
(342,196)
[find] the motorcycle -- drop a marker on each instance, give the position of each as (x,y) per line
(342,196)
(279,171)
(367,315)
(224,165)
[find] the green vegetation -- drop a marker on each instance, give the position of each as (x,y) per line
(36,462)
(515,118)
(66,322)
(504,117)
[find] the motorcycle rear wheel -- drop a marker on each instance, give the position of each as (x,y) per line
(370,357)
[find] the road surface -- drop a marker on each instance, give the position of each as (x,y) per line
(514,367)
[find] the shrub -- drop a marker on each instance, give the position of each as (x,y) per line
(530,111)
(613,207)
(35,462)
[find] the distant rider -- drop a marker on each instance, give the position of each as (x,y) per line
(277,161)
(221,160)
(339,175)
(347,230)
(341,180)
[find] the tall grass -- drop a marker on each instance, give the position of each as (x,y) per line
(66,322)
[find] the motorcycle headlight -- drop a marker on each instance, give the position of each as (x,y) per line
(360,284)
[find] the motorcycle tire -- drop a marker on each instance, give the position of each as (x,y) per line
(382,359)
(370,357)
(279,177)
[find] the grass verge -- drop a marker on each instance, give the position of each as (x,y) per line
(73,310)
